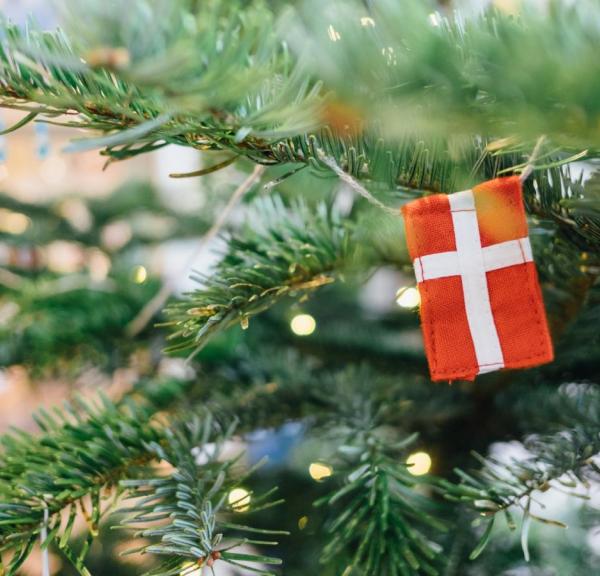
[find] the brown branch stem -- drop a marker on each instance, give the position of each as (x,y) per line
(159,300)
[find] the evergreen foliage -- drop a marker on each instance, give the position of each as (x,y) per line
(287,251)
(391,100)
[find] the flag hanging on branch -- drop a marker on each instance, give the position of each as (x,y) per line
(481,303)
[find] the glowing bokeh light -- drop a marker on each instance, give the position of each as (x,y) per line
(408,297)
(140,274)
(239,499)
(319,471)
(419,463)
(303,325)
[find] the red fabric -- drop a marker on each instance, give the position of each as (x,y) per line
(519,315)
(448,341)
(514,291)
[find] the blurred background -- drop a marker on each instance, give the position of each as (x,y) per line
(83,246)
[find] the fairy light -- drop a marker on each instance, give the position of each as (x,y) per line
(140,274)
(77,213)
(64,257)
(319,471)
(116,234)
(239,499)
(303,325)
(334,35)
(8,310)
(13,222)
(99,264)
(419,463)
(367,21)
(408,297)
(302,522)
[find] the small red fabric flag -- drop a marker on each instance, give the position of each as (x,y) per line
(481,303)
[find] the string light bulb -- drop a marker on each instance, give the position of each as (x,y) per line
(99,264)
(239,499)
(13,222)
(408,297)
(303,325)
(419,463)
(140,274)
(319,471)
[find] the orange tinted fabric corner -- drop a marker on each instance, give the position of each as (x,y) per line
(500,210)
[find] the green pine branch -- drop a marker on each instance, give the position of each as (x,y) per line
(83,448)
(69,320)
(381,519)
(200,78)
(91,447)
(215,76)
(189,510)
(379,524)
(494,74)
(280,252)
(562,461)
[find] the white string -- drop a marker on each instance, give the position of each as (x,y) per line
(356,186)
(158,301)
(43,536)
(534,155)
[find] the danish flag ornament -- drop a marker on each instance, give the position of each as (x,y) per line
(481,303)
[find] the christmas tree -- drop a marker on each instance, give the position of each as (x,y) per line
(316,124)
